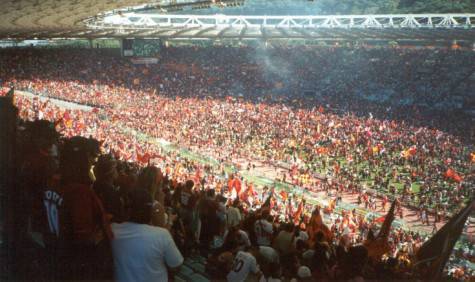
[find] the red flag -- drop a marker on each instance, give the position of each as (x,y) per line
(380,219)
(449,173)
(452,174)
(298,212)
(230,184)
(457,178)
(283,195)
(316,225)
(322,150)
(237,185)
(250,190)
(143,159)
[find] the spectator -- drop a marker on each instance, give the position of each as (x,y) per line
(106,174)
(208,209)
(284,242)
(233,214)
(244,264)
(143,252)
(264,229)
(85,228)
(150,179)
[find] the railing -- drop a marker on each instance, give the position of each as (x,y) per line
(151,21)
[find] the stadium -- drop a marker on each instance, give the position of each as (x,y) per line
(237,140)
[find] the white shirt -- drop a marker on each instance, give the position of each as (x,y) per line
(263,229)
(243,264)
(234,216)
(269,254)
(142,252)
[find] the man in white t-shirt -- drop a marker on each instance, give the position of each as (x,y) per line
(143,252)
(233,214)
(244,263)
(264,230)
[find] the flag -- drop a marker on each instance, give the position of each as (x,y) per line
(452,174)
(283,195)
(230,183)
(237,185)
(380,219)
(434,253)
(457,178)
(68,123)
(449,173)
(299,211)
(316,225)
(375,149)
(144,159)
(409,152)
(250,190)
(379,245)
(322,150)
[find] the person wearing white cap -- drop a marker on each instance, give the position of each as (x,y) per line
(304,274)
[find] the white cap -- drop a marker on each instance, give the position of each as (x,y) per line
(304,272)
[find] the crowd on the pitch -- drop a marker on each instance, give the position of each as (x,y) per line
(239,103)
(213,101)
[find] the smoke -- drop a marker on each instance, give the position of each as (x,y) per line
(275,68)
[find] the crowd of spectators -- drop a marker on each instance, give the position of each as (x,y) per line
(242,103)
(371,127)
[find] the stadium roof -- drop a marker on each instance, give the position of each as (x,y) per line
(198,19)
(52,18)
(342,27)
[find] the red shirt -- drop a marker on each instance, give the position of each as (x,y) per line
(85,220)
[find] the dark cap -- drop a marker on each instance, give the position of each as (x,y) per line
(141,203)
(140,200)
